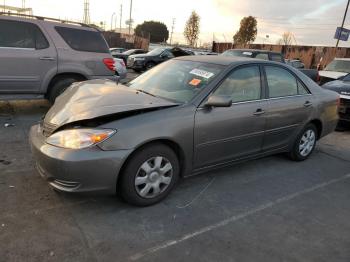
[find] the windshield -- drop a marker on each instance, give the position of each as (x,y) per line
(339,66)
(177,80)
(239,53)
(129,52)
(156,51)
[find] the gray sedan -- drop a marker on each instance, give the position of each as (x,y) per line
(183,117)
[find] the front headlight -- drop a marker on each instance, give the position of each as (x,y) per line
(79,138)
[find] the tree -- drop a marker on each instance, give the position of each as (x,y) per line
(247,31)
(157,31)
(287,39)
(191,31)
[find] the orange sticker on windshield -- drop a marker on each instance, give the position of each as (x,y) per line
(195,82)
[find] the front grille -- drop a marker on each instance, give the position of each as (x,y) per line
(345,102)
(48,129)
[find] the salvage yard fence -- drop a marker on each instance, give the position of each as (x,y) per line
(311,56)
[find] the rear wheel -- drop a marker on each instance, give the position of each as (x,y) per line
(59,87)
(305,143)
(149,175)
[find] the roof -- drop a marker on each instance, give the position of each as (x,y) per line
(217,59)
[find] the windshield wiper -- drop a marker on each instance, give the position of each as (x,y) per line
(145,92)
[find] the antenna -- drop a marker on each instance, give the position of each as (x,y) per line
(86,17)
(172,30)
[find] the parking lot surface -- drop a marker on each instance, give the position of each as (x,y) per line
(271,209)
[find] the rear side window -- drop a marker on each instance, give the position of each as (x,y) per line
(281,82)
(21,35)
(242,85)
(276,57)
(83,40)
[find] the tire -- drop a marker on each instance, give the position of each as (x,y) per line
(141,188)
(59,87)
(150,65)
(304,144)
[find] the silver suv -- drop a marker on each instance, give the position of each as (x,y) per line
(42,57)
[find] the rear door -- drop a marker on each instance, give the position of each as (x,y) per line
(290,105)
(227,133)
(26,57)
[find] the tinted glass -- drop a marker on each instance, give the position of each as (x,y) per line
(281,82)
(21,35)
(302,89)
(262,56)
(242,85)
(177,80)
(83,40)
(156,51)
(276,57)
(238,53)
(339,66)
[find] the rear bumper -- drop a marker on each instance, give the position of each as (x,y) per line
(85,170)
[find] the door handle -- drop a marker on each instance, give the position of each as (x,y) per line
(47,58)
(307,104)
(259,112)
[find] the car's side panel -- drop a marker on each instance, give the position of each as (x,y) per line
(223,134)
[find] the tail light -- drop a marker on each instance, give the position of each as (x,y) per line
(109,62)
(338,101)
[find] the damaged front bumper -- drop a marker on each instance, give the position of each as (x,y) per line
(83,170)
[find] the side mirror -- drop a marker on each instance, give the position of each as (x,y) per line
(219,101)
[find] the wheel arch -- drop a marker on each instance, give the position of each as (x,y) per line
(319,126)
(165,141)
(60,76)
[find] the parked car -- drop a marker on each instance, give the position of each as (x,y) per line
(342,86)
(117,50)
(338,68)
(268,55)
(41,57)
(185,116)
(146,61)
(125,55)
(296,63)
(120,68)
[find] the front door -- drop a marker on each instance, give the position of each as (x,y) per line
(223,134)
(26,57)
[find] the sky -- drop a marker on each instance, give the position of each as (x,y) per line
(312,22)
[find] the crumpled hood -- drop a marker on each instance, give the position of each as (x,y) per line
(95,98)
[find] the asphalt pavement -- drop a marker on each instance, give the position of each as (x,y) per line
(271,209)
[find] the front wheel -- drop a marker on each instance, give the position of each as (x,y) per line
(149,175)
(305,143)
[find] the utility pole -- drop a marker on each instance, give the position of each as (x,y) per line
(172,31)
(342,25)
(130,17)
(23,4)
(120,19)
(112,20)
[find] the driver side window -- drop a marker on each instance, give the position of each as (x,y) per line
(241,85)
(167,54)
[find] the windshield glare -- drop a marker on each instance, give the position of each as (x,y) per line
(156,51)
(339,66)
(177,80)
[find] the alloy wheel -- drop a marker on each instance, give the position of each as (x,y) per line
(307,142)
